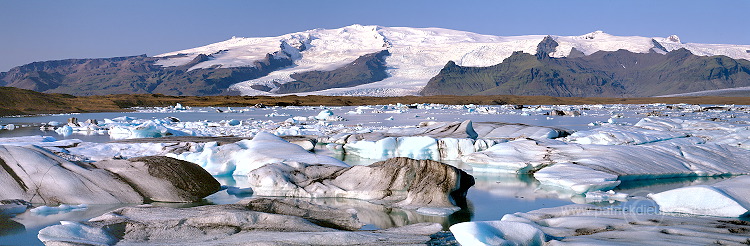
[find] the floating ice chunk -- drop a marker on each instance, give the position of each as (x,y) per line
(123,119)
(65,130)
(628,162)
(380,149)
(592,225)
(106,151)
(239,192)
(149,129)
(76,233)
(421,148)
(518,156)
(179,106)
(62,208)
(233,122)
(600,196)
(323,115)
(730,198)
(437,211)
(619,135)
(497,233)
(11,207)
(41,141)
(578,178)
(454,148)
(277,114)
(513,131)
(244,156)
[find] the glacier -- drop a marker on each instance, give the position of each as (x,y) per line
(417,54)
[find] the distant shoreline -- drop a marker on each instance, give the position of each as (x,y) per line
(15,101)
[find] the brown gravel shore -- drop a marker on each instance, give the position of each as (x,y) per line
(15,101)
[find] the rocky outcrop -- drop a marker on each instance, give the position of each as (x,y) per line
(229,225)
(38,176)
(399,182)
(365,69)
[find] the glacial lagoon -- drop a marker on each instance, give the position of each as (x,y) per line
(493,195)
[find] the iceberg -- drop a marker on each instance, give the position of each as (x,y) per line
(627,162)
(428,185)
(39,176)
(62,208)
(247,222)
(244,156)
(729,198)
(497,233)
(580,179)
(592,225)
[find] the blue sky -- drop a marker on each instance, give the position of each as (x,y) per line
(38,30)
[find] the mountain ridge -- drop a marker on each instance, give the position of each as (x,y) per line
(274,65)
(610,74)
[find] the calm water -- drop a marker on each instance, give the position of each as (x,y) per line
(492,197)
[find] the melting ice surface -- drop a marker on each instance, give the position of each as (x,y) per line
(493,196)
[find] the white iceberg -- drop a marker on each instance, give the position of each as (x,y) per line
(729,198)
(242,157)
(627,162)
(62,208)
(497,233)
(591,225)
(580,179)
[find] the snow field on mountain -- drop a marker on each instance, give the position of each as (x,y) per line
(417,54)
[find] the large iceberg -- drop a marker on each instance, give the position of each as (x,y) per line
(39,176)
(244,156)
(627,162)
(729,198)
(439,140)
(591,225)
(274,222)
(399,182)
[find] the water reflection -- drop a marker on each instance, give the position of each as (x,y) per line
(664,184)
(10,227)
(23,228)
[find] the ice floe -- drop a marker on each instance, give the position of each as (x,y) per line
(595,162)
(265,221)
(591,225)
(399,182)
(242,157)
(39,176)
(729,198)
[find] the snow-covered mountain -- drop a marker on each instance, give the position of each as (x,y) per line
(416,54)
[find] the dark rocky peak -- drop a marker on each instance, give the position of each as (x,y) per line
(450,64)
(198,59)
(547,46)
(575,53)
(680,53)
(658,47)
